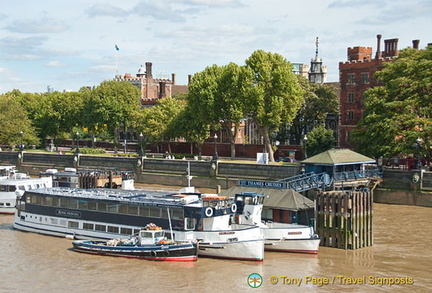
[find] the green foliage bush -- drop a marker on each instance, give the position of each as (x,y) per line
(91,151)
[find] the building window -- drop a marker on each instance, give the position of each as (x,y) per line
(350,115)
(350,97)
(351,78)
(365,78)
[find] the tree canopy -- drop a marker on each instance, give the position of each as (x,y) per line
(276,95)
(399,112)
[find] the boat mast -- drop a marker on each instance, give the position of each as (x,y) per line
(169,219)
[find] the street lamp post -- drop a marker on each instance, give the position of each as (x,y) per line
(141,144)
(417,145)
(215,156)
(21,144)
(78,147)
(305,138)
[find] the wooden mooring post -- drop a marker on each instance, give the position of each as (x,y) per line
(344,218)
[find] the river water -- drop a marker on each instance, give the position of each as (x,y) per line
(401,253)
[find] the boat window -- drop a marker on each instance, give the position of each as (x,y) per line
(102,206)
(92,205)
(100,228)
(12,188)
(73,203)
(82,204)
(88,226)
(73,224)
(126,231)
(133,210)
(48,201)
(112,207)
(159,234)
(56,201)
(64,202)
(155,212)
(3,187)
(143,211)
(176,214)
(21,187)
(190,223)
(145,234)
(29,187)
(123,209)
(113,229)
(36,199)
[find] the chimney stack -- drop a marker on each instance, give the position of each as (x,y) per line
(189,79)
(416,44)
(378,52)
(149,69)
(391,48)
(173,78)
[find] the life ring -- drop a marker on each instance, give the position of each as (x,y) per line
(234,208)
(166,253)
(208,212)
(153,253)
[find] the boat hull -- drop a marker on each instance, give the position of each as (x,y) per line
(290,238)
(176,252)
(242,242)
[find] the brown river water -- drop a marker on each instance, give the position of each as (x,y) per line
(401,254)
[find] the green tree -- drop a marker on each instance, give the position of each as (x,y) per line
(319,140)
(112,104)
(276,96)
(158,122)
(399,112)
(219,95)
(14,120)
(191,129)
(319,101)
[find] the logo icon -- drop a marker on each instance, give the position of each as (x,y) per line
(254,280)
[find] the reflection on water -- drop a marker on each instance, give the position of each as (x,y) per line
(40,263)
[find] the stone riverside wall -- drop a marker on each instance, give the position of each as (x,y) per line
(209,174)
(398,186)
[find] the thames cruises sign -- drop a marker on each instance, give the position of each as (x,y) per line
(263,184)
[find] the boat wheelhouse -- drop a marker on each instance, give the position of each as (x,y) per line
(17,184)
(108,213)
(282,237)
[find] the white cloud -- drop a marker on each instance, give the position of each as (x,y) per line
(54,63)
(105,9)
(37,26)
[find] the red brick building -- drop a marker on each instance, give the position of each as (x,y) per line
(356,76)
(153,89)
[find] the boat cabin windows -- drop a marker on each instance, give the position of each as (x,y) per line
(105,207)
(88,226)
(190,223)
(100,227)
(73,225)
(113,229)
(126,231)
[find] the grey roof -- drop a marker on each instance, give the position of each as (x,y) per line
(338,157)
(286,199)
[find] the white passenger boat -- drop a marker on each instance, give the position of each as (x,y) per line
(277,236)
(16,184)
(108,213)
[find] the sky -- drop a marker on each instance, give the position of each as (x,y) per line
(70,44)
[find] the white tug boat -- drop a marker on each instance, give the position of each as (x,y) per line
(13,184)
(115,213)
(277,236)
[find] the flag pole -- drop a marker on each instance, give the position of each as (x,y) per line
(117,49)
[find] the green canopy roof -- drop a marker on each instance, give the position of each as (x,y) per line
(285,199)
(338,157)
